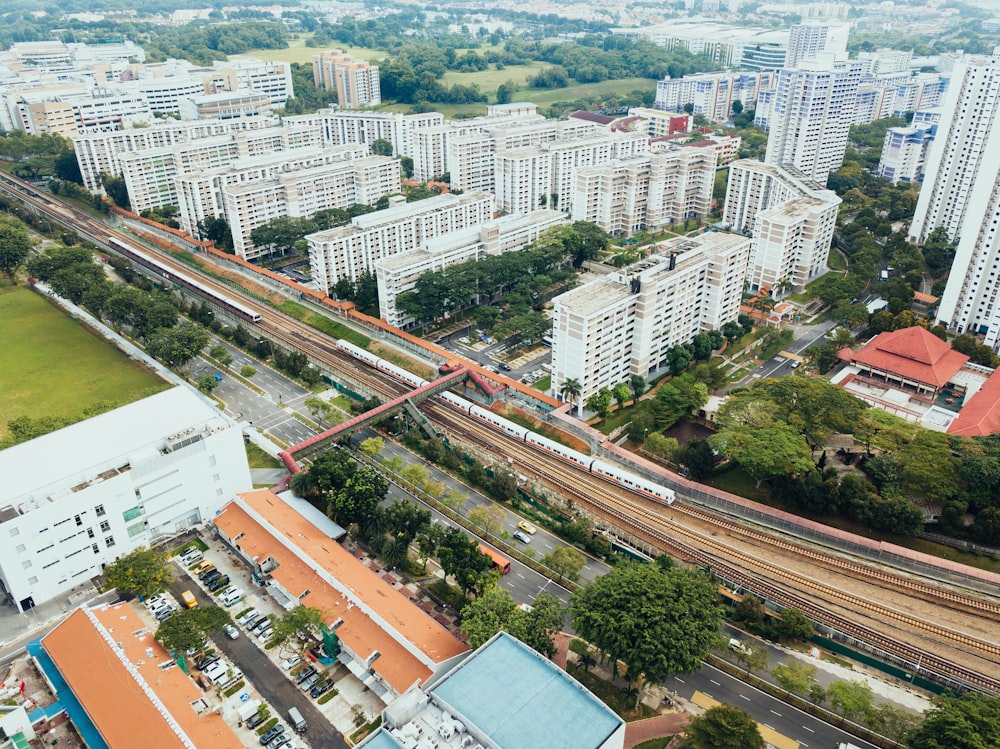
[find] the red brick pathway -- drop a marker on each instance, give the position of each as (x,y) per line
(651,728)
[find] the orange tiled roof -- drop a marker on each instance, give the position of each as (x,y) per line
(919,296)
(981,415)
(114,698)
(368,606)
(913,353)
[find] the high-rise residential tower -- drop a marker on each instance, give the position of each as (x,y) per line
(811,115)
(961,193)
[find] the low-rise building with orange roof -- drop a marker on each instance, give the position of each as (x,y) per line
(386,640)
(131,689)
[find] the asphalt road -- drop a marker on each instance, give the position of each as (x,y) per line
(810,732)
(273,684)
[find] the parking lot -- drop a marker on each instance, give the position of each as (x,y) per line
(263,669)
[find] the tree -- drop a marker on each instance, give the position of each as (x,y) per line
(765,452)
(299,624)
(852,699)
(15,245)
(621,392)
(371,447)
(752,656)
(490,613)
(536,626)
(191,628)
(116,189)
(488,516)
(565,561)
(359,497)
(794,625)
(665,447)
(657,621)
(207,382)
(723,727)
(143,572)
(638,385)
(381,147)
(461,559)
(969,721)
(698,457)
(318,407)
(570,389)
(600,402)
(177,346)
(794,676)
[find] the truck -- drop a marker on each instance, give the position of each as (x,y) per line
(296,720)
(189,600)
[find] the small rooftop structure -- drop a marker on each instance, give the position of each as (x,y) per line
(981,415)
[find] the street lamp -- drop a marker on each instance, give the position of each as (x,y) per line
(644,433)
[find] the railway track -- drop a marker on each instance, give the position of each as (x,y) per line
(630,514)
(777,583)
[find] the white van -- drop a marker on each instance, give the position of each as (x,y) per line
(231,597)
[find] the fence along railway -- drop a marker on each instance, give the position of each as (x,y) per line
(596,495)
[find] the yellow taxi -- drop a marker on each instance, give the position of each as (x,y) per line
(527,527)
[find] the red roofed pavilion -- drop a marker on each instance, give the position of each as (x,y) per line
(911,359)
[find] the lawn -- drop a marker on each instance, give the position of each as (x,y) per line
(37,340)
(260,459)
(546,97)
(488,80)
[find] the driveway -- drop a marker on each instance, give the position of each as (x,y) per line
(272,683)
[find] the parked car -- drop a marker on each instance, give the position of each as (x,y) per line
(256,719)
(304,674)
(321,689)
(207,661)
(291,662)
(306,685)
(277,741)
(271,733)
(205,571)
(248,617)
(218,583)
(231,632)
(165,613)
(211,577)
(156,601)
(523,537)
(254,623)
(265,634)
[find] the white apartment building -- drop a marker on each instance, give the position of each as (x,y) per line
(647,192)
(356,81)
(348,251)
(398,274)
(227,105)
(100,153)
(811,115)
(727,46)
(806,40)
(790,217)
(895,94)
(624,323)
(79,498)
(523,178)
(342,126)
(961,192)
(660,124)
(270,77)
(304,192)
(200,193)
(885,60)
(712,94)
(904,152)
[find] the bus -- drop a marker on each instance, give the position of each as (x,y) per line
(497,560)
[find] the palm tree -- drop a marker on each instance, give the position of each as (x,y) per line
(570,389)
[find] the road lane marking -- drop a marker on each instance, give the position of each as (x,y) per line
(809,729)
(746,698)
(715,682)
(776,713)
(677,678)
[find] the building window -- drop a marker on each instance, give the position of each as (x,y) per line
(90,532)
(14,532)
(32,580)
(20,548)
(78,520)
(105,526)
(109,541)
(99,510)
(96,549)
(26,563)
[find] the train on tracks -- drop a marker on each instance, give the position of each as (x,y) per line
(595,466)
(185,281)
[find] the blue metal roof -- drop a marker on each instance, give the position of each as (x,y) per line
(519,699)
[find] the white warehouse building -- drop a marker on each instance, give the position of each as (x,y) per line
(80,497)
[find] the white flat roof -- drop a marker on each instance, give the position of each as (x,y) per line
(78,452)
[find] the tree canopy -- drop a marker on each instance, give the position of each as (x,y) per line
(658,621)
(723,727)
(971,721)
(143,572)
(495,610)
(15,244)
(190,628)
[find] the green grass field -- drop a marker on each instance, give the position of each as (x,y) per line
(488,80)
(299,52)
(546,97)
(54,366)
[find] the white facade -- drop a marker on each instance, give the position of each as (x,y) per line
(348,251)
(355,81)
(91,492)
(712,94)
(647,192)
(398,274)
(811,115)
(961,192)
(624,323)
(806,40)
(904,152)
(302,193)
(727,46)
(790,217)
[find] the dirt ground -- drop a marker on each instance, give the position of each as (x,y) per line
(58,731)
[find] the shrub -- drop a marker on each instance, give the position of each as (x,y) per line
(235,688)
(267,726)
(324,698)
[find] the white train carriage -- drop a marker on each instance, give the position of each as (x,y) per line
(484,414)
(559,450)
(455,401)
(358,353)
(402,374)
(631,481)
